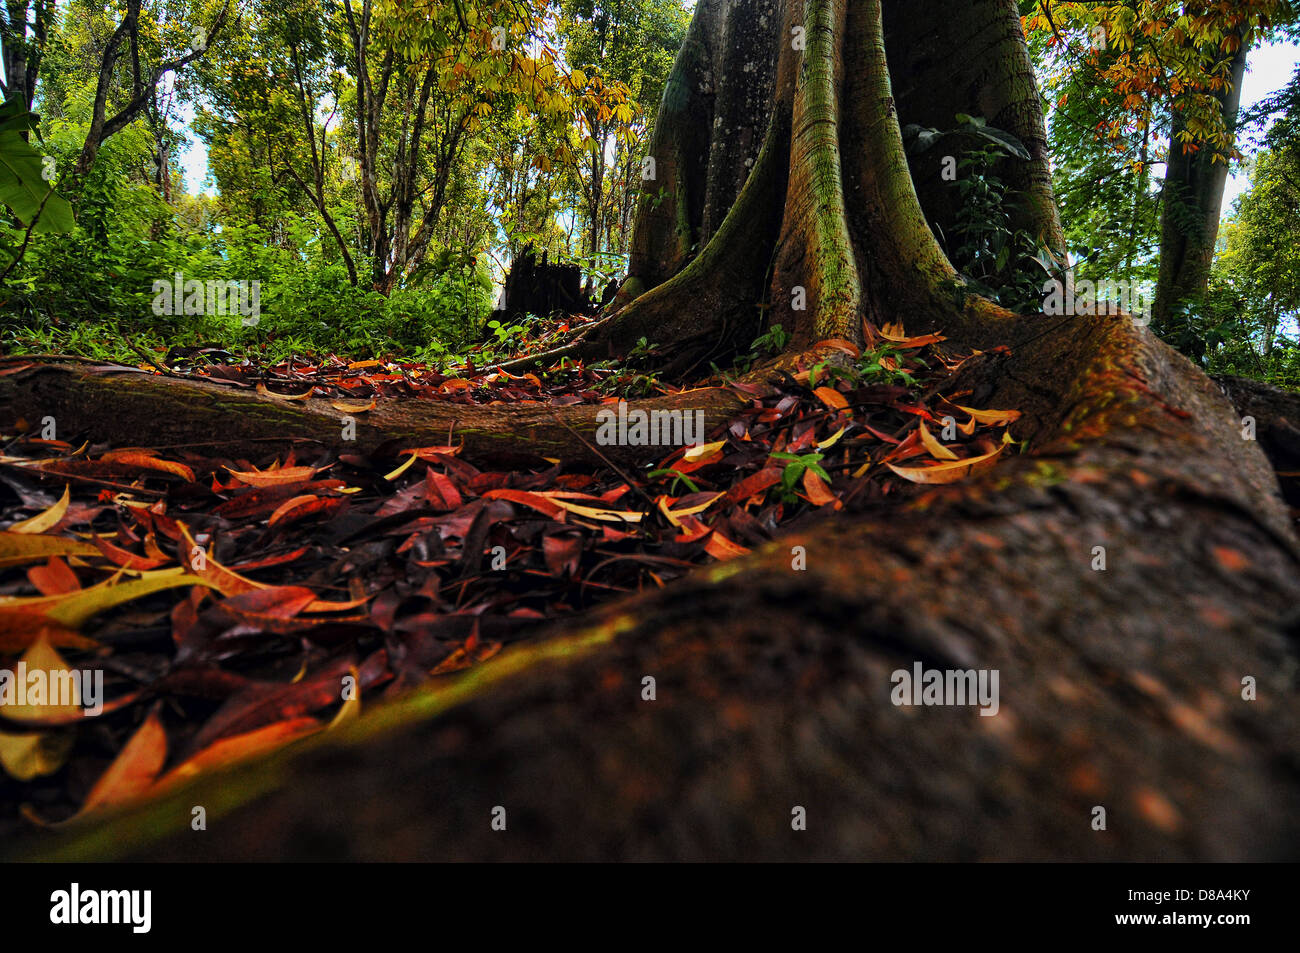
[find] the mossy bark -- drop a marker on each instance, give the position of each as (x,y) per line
(126,407)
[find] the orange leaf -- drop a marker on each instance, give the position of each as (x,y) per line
(228,751)
(818,492)
(148,460)
(832,398)
(133,770)
(274,477)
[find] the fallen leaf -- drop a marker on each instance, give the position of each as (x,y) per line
(133,771)
(950,471)
(47,520)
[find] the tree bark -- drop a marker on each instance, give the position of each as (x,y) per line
(1191,205)
(1128,576)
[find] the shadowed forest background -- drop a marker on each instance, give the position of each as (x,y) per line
(384,223)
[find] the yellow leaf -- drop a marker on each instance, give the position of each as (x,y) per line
(47,520)
(950,471)
(673,516)
(401,469)
(72,609)
(612,516)
(350,710)
(19,548)
(34,754)
(703,450)
(937,450)
(57,683)
(832,440)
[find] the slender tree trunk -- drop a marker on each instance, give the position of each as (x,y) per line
(1191,205)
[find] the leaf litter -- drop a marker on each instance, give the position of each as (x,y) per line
(229,601)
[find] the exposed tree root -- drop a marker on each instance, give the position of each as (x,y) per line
(129,408)
(1119,688)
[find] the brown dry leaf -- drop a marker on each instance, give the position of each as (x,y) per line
(262,389)
(353,406)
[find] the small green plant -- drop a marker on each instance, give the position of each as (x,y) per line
(773,341)
(796,466)
(678,477)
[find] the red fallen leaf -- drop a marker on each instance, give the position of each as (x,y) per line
(275,602)
(253,504)
(238,748)
(54,578)
(692,530)
(562,552)
(535,501)
(441,492)
(126,560)
(263,703)
(302,507)
(754,484)
(20,630)
(279,560)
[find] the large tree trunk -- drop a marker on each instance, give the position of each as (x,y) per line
(1121,687)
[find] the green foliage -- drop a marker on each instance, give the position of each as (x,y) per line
(795,467)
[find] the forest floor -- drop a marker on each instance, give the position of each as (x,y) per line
(235,604)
